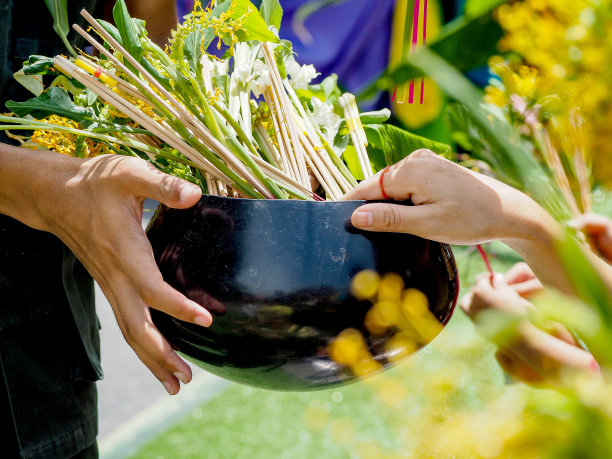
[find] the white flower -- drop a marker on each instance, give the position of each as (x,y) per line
(219,68)
(325,118)
(214,67)
(301,75)
(260,79)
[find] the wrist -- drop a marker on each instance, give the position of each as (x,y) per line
(31,180)
(530,228)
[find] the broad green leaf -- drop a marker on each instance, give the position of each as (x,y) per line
(396,143)
(193,51)
(254,26)
(272,13)
(54,101)
(59,11)
(128,30)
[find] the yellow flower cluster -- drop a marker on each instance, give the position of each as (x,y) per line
(564,47)
(401,317)
(65,142)
(225,25)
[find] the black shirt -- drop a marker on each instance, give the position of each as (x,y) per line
(49,343)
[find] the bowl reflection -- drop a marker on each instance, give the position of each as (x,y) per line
(276,275)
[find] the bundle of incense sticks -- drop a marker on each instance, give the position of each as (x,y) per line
(283,154)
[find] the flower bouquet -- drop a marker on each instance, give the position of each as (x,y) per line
(248,124)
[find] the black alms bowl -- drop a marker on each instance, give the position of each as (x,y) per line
(276,275)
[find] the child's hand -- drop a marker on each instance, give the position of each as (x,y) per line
(533,355)
(598,230)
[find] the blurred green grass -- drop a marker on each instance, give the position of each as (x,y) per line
(365,419)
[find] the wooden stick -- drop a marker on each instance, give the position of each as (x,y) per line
(268,142)
(284,105)
(332,189)
(144,120)
(362,156)
(281,136)
(281,176)
(320,152)
(181,113)
(210,184)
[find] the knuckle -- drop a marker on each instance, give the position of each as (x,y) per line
(132,334)
(391,218)
(169,187)
(422,153)
(148,293)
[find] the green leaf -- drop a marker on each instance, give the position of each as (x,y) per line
(591,289)
(39,65)
(377,117)
(112,30)
(396,143)
(32,83)
(193,51)
(54,101)
(481,32)
(128,30)
(478,7)
(352,162)
(254,26)
(504,140)
(91,97)
(272,13)
(59,11)
(281,53)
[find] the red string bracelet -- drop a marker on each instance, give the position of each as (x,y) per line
(485,258)
(382,187)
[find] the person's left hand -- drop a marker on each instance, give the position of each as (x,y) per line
(534,356)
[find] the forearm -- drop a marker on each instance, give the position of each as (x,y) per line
(161,17)
(537,244)
(29,182)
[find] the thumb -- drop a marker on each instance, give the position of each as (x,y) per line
(392,218)
(172,191)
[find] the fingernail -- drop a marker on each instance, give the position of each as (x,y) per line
(203,321)
(168,387)
(181,377)
(497,280)
(189,192)
(594,366)
(363,219)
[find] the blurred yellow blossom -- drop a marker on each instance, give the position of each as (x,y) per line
(560,48)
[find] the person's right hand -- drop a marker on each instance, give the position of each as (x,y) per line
(451,203)
(522,280)
(533,355)
(95,207)
(598,229)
